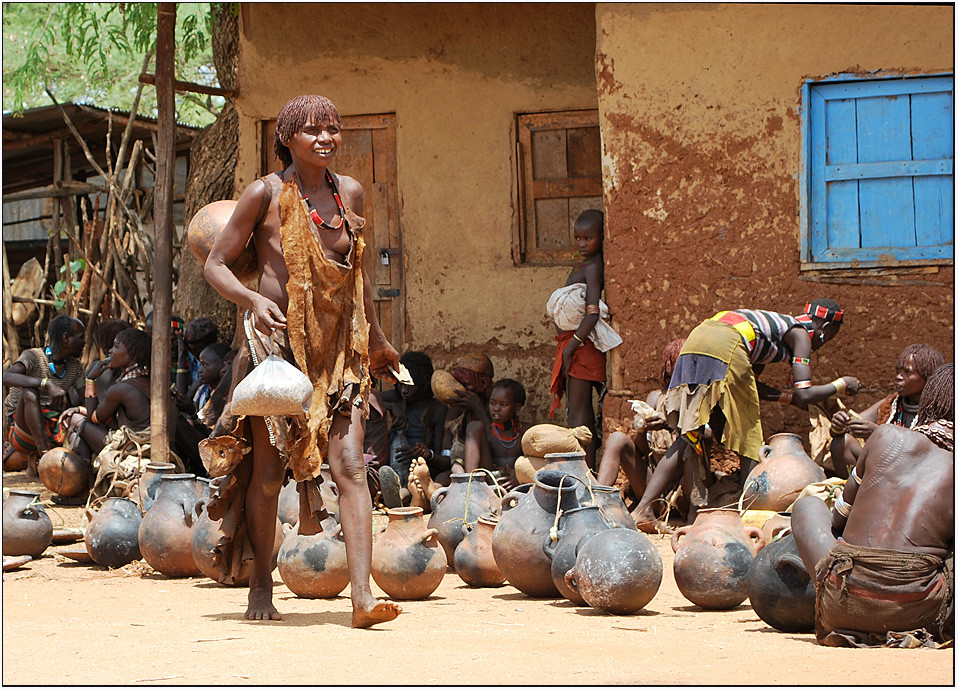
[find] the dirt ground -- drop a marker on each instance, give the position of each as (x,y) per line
(66,623)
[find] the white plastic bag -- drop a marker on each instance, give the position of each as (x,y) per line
(274,387)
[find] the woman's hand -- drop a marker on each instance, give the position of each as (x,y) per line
(419,450)
(861,428)
(98,367)
(267,316)
(852,385)
(383,359)
(469,400)
(840,422)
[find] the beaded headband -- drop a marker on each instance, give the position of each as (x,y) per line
(823,313)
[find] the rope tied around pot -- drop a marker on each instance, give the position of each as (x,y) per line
(499,490)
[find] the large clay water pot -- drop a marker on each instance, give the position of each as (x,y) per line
(574,526)
(166,530)
(573,463)
(205,534)
(712,558)
(528,514)
(407,562)
(779,588)
(473,560)
(112,537)
(207,225)
(149,482)
(27,529)
(618,571)
(64,472)
(609,499)
(466,498)
(314,566)
(783,471)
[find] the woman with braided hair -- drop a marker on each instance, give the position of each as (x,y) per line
(915,364)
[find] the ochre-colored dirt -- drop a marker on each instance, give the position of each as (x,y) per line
(65,623)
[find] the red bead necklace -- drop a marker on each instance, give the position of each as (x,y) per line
(314,214)
(498,430)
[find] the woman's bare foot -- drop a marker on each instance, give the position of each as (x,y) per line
(261,604)
(371,611)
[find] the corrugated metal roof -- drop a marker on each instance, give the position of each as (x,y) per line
(28,141)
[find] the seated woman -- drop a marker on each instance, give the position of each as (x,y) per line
(126,403)
(475,373)
(915,364)
(105,333)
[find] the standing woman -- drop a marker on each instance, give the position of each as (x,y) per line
(583,336)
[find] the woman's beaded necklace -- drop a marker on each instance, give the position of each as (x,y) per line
(506,442)
(314,214)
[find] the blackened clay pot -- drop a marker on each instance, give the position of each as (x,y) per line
(574,526)
(27,529)
(779,588)
(617,571)
(314,566)
(407,560)
(466,498)
(474,561)
(528,514)
(712,558)
(166,530)
(112,537)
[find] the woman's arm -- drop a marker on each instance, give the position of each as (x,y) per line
(805,394)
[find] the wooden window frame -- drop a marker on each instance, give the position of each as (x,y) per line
(813,256)
(530,190)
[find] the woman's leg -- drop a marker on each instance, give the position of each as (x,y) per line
(581,413)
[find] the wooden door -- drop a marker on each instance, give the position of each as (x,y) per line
(368,154)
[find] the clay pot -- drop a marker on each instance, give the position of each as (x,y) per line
(288,506)
(314,566)
(207,225)
(609,499)
(27,529)
(775,525)
(329,492)
(574,526)
(407,561)
(166,530)
(712,561)
(206,533)
(149,482)
(450,509)
(64,472)
(528,513)
(112,537)
(617,571)
(783,471)
(573,463)
(16,462)
(779,588)
(473,560)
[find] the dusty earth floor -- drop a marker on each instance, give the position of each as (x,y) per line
(67,624)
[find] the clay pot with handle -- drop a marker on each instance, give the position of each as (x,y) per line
(27,529)
(783,471)
(314,566)
(712,558)
(574,526)
(112,536)
(407,560)
(780,589)
(617,571)
(165,533)
(528,515)
(149,482)
(473,560)
(466,498)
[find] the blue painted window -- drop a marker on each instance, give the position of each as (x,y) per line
(880,171)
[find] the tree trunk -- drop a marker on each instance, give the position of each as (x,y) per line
(212,178)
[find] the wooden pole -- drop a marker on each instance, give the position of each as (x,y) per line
(163,233)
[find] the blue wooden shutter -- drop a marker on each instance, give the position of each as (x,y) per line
(882,178)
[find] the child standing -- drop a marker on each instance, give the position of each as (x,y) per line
(583,336)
